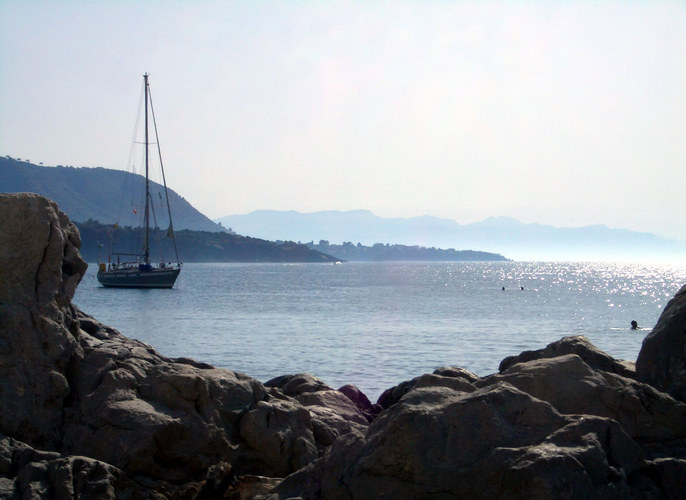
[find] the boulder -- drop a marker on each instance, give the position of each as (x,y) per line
(456,372)
(559,423)
(46,474)
(40,268)
(491,443)
(361,401)
(72,388)
(661,361)
(573,387)
(463,381)
(281,435)
(300,383)
(168,418)
(332,412)
(578,345)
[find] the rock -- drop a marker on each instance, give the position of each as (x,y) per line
(333,413)
(661,361)
(573,387)
(578,345)
(460,383)
(249,487)
(31,473)
(300,383)
(40,262)
(336,401)
(494,442)
(456,372)
(71,387)
(221,482)
(284,438)
(672,475)
(392,395)
(561,422)
(172,419)
(354,394)
(361,402)
(40,267)
(165,418)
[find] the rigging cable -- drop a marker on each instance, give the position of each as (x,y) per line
(131,163)
(164,180)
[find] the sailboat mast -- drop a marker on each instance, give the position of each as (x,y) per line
(147,181)
(140,273)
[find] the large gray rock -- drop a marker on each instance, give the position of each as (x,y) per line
(333,414)
(662,359)
(361,401)
(496,442)
(297,384)
(551,425)
(172,419)
(71,387)
(573,387)
(578,345)
(40,268)
(454,378)
(46,474)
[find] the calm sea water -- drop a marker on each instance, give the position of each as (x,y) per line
(377,324)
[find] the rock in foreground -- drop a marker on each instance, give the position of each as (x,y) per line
(549,427)
(71,388)
(662,360)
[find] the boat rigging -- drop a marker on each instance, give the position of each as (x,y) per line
(141,272)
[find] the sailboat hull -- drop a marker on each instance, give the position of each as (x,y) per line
(136,278)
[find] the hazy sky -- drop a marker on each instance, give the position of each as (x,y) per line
(564,113)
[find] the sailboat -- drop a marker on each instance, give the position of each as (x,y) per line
(138,270)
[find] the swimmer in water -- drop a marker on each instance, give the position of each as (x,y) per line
(634,325)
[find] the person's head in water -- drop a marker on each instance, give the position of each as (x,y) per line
(634,325)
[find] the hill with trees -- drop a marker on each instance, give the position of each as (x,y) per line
(87,196)
(98,240)
(94,193)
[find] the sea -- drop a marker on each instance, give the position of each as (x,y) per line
(375,325)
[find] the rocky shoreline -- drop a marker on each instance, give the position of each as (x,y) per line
(88,413)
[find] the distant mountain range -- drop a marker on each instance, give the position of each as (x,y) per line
(503,235)
(92,193)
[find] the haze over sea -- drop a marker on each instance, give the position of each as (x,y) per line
(377,324)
